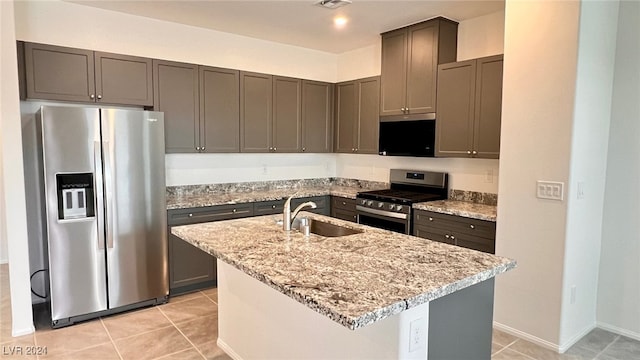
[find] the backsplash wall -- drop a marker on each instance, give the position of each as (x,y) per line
(479,175)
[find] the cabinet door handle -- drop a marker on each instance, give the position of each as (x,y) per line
(99,97)
(356,150)
(234,211)
(92,96)
(190,215)
(475,152)
(472,226)
(275,149)
(197,148)
(469,152)
(446,236)
(430,219)
(304,149)
(344,203)
(453,237)
(273,206)
(202,148)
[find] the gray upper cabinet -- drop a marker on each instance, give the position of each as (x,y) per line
(255,112)
(122,79)
(410,57)
(317,116)
(346,116)
(67,74)
(357,123)
(219,110)
(59,73)
(287,115)
(200,106)
(469,108)
(176,94)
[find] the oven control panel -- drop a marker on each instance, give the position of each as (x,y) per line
(383,206)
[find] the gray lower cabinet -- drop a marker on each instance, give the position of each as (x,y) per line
(189,267)
(343,208)
(317,116)
(356,116)
(200,105)
(455,230)
(469,108)
(68,74)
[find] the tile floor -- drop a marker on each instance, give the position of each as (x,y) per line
(186,328)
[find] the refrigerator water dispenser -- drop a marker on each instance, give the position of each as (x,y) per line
(75,196)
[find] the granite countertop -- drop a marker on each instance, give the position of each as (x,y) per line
(460,208)
(355,280)
(183,201)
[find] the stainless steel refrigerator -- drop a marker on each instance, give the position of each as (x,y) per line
(104,219)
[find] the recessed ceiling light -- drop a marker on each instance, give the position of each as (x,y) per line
(332,4)
(340,21)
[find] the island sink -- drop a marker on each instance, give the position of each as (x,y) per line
(325,229)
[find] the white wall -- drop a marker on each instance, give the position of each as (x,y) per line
(481,36)
(13,205)
(592,115)
(464,174)
(540,52)
(619,281)
(67,24)
(360,63)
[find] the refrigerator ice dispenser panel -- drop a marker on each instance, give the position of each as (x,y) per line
(75,196)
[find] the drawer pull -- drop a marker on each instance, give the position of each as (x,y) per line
(472,226)
(344,203)
(190,215)
(234,211)
(430,219)
(273,206)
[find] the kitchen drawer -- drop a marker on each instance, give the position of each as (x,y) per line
(459,224)
(211,213)
(344,214)
(338,202)
(456,238)
(268,207)
(321,201)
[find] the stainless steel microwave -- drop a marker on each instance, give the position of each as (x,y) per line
(407,137)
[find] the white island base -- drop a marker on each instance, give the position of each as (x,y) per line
(258,322)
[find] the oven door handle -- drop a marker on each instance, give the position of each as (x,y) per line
(381,212)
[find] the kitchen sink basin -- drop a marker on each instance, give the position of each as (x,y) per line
(326,229)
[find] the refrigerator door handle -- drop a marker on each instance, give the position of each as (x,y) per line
(108,192)
(98,186)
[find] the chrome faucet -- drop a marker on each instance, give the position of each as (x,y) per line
(288,216)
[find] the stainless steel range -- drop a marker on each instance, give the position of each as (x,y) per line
(391,208)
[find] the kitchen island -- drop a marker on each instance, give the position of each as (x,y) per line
(374,294)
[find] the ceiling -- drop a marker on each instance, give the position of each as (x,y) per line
(299,22)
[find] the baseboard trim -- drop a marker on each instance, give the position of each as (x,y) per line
(523,335)
(618,330)
(227,349)
(21,332)
(568,344)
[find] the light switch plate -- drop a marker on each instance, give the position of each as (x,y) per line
(552,190)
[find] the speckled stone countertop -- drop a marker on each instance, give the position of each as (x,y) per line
(355,280)
(221,194)
(460,208)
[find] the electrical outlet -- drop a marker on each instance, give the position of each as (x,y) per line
(488,176)
(552,190)
(580,192)
(417,334)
